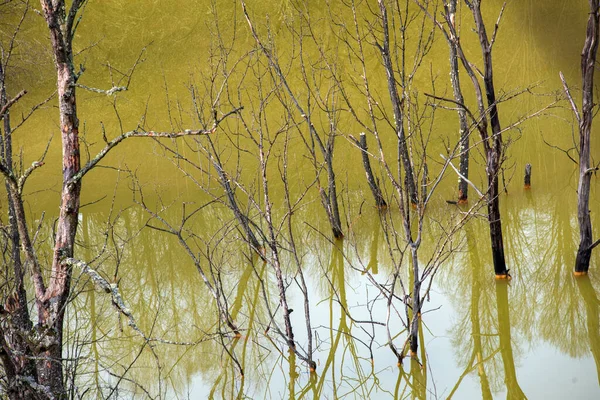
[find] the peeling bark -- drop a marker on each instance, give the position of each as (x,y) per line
(588,61)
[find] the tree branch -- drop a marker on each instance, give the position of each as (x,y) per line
(496,26)
(10,103)
(459,174)
(569,97)
(152,134)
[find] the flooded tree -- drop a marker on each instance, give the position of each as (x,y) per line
(317,142)
(464,129)
(32,355)
(492,143)
(584,119)
(218,231)
(493,147)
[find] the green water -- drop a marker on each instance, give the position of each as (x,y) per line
(537,336)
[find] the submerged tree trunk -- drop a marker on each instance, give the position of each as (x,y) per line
(396,107)
(375,190)
(588,64)
(416,303)
(494,150)
(527,179)
(463,186)
(332,207)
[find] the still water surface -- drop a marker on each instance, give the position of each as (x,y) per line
(537,336)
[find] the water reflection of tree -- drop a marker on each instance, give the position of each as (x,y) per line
(489,351)
(556,294)
(166,302)
(592,308)
(473,288)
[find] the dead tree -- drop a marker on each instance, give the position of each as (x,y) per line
(493,145)
(373,184)
(404,240)
(396,100)
(32,355)
(527,178)
(584,119)
(463,184)
(15,321)
(329,196)
(486,120)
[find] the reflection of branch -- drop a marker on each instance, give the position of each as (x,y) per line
(117,299)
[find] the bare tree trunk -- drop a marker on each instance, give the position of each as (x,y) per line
(494,151)
(527,179)
(463,185)
(14,314)
(51,306)
(334,211)
(396,106)
(588,62)
(416,303)
(377,195)
(495,221)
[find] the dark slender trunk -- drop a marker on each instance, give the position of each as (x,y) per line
(588,61)
(513,389)
(527,179)
(377,195)
(336,223)
(494,152)
(463,186)
(396,107)
(495,223)
(416,304)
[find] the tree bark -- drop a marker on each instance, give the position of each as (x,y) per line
(19,368)
(588,61)
(51,306)
(527,179)
(377,195)
(396,107)
(416,303)
(336,222)
(494,150)
(463,185)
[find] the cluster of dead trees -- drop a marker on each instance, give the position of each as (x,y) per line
(35,295)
